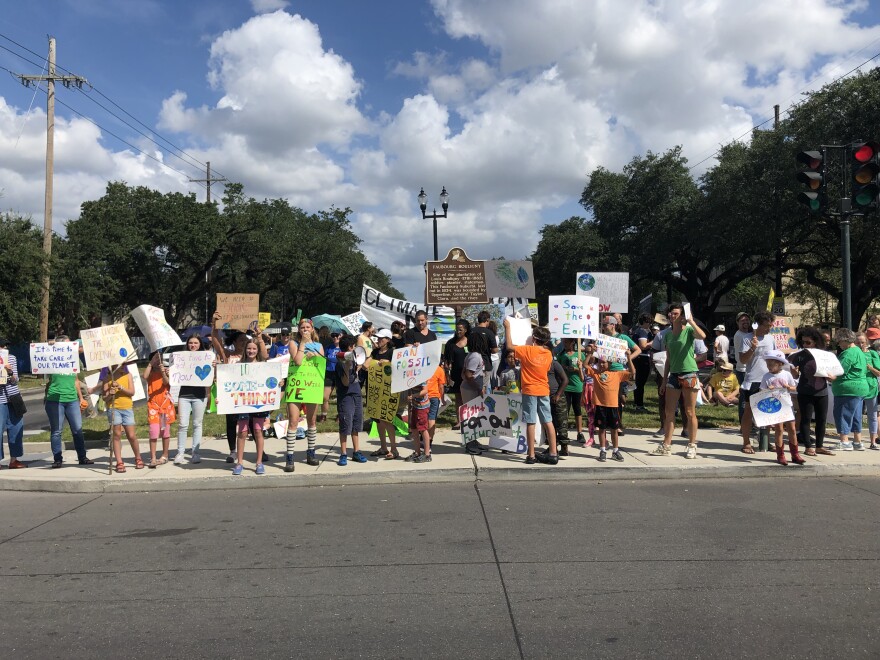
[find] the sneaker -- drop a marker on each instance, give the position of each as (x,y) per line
(589,442)
(180,459)
(230,458)
(357,456)
(300,433)
(290,466)
(858,446)
(473,447)
(617,456)
(581,439)
(531,460)
(874,445)
(602,455)
(311,459)
(845,446)
(661,450)
(691,451)
(422,458)
(343,460)
(196,457)
(547,458)
(261,469)
(237,469)
(563,450)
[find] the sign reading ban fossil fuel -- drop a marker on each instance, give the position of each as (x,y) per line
(246,387)
(414,365)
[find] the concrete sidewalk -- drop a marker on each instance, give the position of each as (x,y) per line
(719,456)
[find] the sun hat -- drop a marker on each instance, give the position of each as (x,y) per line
(719,327)
(775,355)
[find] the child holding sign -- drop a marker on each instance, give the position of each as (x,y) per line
(304,345)
(254,351)
(349,403)
(777,378)
(160,407)
(606,402)
(117,389)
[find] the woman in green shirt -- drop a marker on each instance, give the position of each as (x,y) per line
(849,390)
(65,399)
(680,378)
(872,358)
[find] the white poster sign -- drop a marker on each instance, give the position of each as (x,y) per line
(60,357)
(771,407)
(139,392)
(515,439)
(509,279)
(611,348)
(485,417)
(106,346)
(520,330)
(413,365)
(827,363)
(573,316)
(612,290)
(191,368)
(382,311)
(4,360)
(157,332)
(354,322)
(245,387)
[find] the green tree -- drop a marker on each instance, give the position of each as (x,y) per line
(21,276)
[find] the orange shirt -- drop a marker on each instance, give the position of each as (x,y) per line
(534,364)
(436,384)
(606,386)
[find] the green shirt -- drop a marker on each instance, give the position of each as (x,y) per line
(575,382)
(873,360)
(62,388)
(680,351)
(853,382)
(630,344)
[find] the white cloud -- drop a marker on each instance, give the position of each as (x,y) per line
(264,6)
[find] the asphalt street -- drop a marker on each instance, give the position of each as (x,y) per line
(672,568)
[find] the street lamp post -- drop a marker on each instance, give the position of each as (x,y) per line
(444,204)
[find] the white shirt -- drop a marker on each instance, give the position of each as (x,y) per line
(756,367)
(737,342)
(722,344)
(781,380)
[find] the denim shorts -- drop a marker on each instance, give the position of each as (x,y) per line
(434,408)
(672,380)
(535,408)
(121,417)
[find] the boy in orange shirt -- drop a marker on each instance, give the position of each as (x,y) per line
(606,392)
(535,362)
(436,385)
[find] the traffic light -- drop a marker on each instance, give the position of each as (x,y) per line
(814,177)
(865,167)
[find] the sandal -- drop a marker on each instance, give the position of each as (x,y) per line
(391,455)
(120,467)
(747,449)
(153,464)
(162,461)
(138,464)
(810,451)
(379,452)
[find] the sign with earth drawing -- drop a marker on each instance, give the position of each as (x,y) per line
(510,279)
(612,289)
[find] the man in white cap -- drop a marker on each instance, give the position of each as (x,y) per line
(722,343)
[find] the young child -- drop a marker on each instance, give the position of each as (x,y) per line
(436,387)
(589,408)
(418,424)
(558,381)
(160,407)
(778,378)
(508,379)
(723,387)
(254,351)
(606,402)
(349,402)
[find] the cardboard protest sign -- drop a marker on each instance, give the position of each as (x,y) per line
(264,320)
(381,402)
(496,313)
(382,311)
(157,332)
(510,279)
(191,368)
(771,407)
(4,360)
(238,310)
(573,316)
(106,346)
(484,417)
(305,383)
(60,357)
(414,365)
(612,290)
(246,387)
(611,348)
(783,334)
(139,391)
(827,363)
(354,321)
(520,331)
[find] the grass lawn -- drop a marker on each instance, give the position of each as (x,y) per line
(709,417)
(28,382)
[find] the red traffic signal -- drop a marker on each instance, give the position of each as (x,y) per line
(865,168)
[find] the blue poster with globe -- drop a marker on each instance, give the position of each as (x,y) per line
(771,407)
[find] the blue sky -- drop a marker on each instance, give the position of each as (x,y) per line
(508,103)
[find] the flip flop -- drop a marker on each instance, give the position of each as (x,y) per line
(747,450)
(378,452)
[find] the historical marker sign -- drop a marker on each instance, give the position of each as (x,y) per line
(456,280)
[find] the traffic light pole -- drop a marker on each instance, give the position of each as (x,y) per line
(845,214)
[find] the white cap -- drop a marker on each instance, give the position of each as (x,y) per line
(719,327)
(775,355)
(383,333)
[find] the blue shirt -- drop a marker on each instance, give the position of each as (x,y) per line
(354,387)
(279,349)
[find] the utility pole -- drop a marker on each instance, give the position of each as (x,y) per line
(208,180)
(778,256)
(50,79)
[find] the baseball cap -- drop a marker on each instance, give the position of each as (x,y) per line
(719,327)
(384,333)
(775,355)
(285,329)
(655,327)
(741,314)
(610,320)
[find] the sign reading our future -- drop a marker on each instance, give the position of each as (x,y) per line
(457,280)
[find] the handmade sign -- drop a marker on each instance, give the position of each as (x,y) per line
(238,310)
(533,311)
(139,392)
(245,387)
(687,311)
(520,331)
(612,290)
(353,323)
(4,360)
(106,346)
(783,334)
(381,401)
(305,383)
(611,348)
(414,365)
(514,440)
(457,280)
(264,320)
(827,363)
(151,322)
(573,316)
(60,357)
(771,407)
(509,279)
(382,311)
(484,417)
(191,368)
